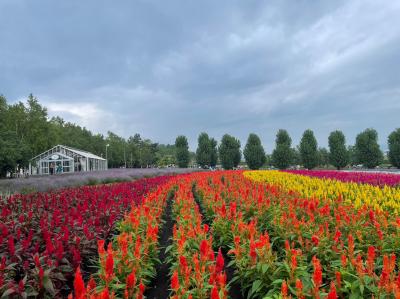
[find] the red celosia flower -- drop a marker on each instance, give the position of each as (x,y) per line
(91,285)
(141,290)
(287,245)
(344,260)
(253,253)
(109,266)
(41,276)
(338,234)
(299,288)
(182,262)
(11,245)
(371,216)
(204,248)
(131,280)
(293,262)
(79,285)
(100,246)
(214,293)
(338,279)
(175,281)
(36,260)
(351,245)
(315,240)
(222,279)
(284,289)
(317,276)
(21,286)
(371,259)
(332,292)
(105,294)
(219,262)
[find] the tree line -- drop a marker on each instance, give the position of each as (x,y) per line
(26,131)
(366,151)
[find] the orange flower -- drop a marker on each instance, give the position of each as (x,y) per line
(175,281)
(79,285)
(284,289)
(338,279)
(371,259)
(204,249)
(299,288)
(317,276)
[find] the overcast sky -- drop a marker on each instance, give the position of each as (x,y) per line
(164,68)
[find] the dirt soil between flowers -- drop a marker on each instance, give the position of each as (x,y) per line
(160,288)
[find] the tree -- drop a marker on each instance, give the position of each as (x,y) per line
(338,153)
(166,155)
(116,151)
(182,151)
(37,127)
(282,155)
(133,150)
(323,157)
(203,152)
(351,149)
(296,157)
(367,148)
(309,150)
(13,152)
(214,153)
(229,152)
(3,112)
(148,151)
(394,148)
(254,153)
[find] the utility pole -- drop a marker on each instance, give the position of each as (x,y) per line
(107,145)
(131,161)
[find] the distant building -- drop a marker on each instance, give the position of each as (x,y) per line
(65,159)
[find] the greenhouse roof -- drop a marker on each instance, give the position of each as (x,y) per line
(74,150)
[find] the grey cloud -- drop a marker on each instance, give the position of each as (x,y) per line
(183,67)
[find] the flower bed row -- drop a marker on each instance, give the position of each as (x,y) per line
(382,199)
(127,265)
(371,178)
(286,246)
(196,272)
(44,237)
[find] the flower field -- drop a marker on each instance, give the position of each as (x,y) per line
(44,237)
(379,198)
(285,235)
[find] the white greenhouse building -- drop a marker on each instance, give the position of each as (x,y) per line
(65,159)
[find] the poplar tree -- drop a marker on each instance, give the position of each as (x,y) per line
(182,151)
(338,153)
(367,149)
(254,153)
(309,150)
(229,152)
(282,155)
(394,148)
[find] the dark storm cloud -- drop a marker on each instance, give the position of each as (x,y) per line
(182,67)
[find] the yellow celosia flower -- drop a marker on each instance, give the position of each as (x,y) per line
(386,198)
